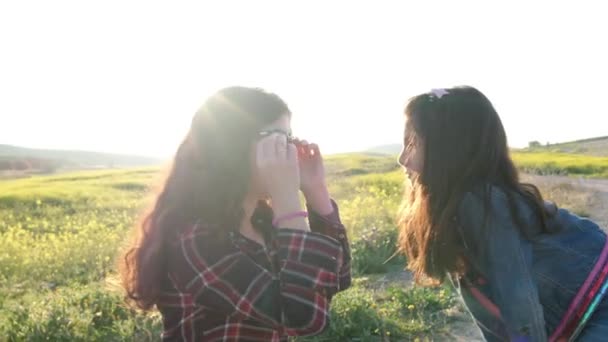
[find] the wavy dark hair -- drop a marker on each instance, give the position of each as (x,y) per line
(464,144)
(209,179)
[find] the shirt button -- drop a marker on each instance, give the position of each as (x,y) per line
(341,236)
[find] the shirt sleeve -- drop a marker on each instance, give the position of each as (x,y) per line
(292,299)
(331,225)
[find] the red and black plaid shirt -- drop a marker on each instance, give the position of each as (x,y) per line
(238,290)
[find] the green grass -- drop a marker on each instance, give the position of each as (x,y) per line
(352,164)
(561,163)
(96,312)
(541,161)
(395,313)
(66,228)
(90,312)
(60,235)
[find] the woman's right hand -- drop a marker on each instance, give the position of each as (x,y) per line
(277,163)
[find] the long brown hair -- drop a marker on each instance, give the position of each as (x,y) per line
(464,144)
(209,179)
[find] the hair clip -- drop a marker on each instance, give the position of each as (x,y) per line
(439,93)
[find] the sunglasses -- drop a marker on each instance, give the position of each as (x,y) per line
(288,135)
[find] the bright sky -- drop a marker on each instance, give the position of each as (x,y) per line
(126,76)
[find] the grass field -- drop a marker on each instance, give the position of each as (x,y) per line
(551,163)
(60,235)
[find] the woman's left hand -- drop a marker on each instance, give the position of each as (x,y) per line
(312,177)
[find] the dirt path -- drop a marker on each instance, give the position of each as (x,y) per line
(597,206)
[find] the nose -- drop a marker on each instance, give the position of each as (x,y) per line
(402,160)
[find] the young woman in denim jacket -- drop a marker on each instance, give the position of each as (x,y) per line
(526,269)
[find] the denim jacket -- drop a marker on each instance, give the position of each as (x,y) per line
(531,279)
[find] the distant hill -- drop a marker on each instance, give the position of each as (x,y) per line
(390,149)
(592,147)
(21,158)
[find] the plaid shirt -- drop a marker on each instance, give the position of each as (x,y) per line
(238,290)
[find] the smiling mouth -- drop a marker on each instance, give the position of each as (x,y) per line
(412,175)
